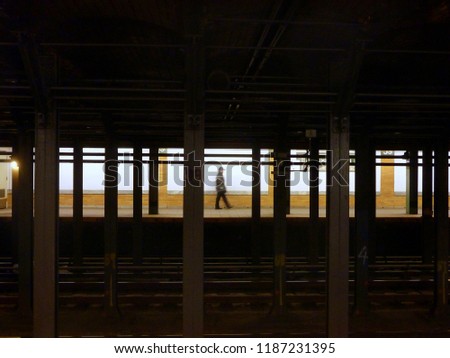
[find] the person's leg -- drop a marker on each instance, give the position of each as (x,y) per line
(227,203)
(217,201)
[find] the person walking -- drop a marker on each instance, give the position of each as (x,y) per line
(221,190)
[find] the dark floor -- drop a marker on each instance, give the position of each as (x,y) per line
(231,321)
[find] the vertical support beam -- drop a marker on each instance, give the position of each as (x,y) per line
(280,229)
(78,204)
(153,180)
(365,219)
(15,206)
(41,72)
(412,183)
(137,205)
(194,147)
(256,204)
(280,206)
(288,184)
(25,228)
(110,229)
(46,225)
(338,226)
(441,217)
(372,205)
(314,201)
(427,205)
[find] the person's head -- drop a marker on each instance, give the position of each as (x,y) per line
(220,170)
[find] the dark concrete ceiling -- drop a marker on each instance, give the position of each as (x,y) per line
(267,61)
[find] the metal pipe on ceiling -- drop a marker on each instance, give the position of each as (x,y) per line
(295,49)
(300,93)
(287,93)
(286,22)
(413,52)
(231,47)
(118,98)
(418,104)
(92,108)
(256,111)
(102,44)
(15,87)
(263,37)
(266,101)
(411,95)
(117,89)
(114,80)
(16,96)
(273,84)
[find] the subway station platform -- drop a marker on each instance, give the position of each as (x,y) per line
(167,213)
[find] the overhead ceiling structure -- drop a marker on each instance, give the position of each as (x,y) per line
(121,66)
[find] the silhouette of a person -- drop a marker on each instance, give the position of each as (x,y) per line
(221,189)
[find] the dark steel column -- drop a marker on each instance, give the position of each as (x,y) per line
(441,218)
(193,206)
(365,219)
(338,226)
(427,205)
(42,73)
(137,205)
(412,183)
(15,206)
(153,180)
(46,225)
(256,204)
(280,229)
(288,184)
(111,201)
(25,214)
(314,166)
(78,204)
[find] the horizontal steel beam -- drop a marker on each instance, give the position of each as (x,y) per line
(103,44)
(229,91)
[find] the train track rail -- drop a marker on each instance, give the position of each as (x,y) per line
(227,280)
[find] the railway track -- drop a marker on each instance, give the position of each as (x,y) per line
(227,280)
